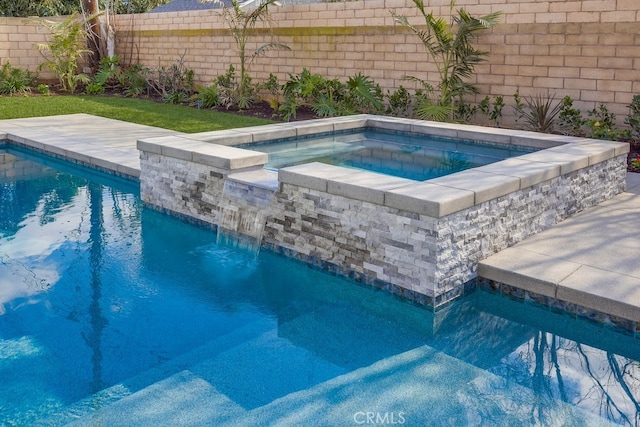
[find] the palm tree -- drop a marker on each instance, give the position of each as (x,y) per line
(450,45)
(241,21)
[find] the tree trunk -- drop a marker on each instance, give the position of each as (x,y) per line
(90,8)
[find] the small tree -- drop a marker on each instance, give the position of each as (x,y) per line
(241,22)
(450,45)
(67,43)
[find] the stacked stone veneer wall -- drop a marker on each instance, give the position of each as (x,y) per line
(418,256)
(422,240)
(588,49)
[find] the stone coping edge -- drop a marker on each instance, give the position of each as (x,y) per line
(606,292)
(558,155)
(97,163)
(619,322)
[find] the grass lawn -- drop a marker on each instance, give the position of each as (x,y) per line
(175,117)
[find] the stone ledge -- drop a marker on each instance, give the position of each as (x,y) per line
(260,178)
(215,155)
(366,186)
(485,186)
(312,175)
(429,199)
(530,173)
(600,290)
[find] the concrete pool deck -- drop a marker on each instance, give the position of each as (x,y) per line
(590,260)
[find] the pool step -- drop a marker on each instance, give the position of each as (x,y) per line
(221,388)
(266,377)
(80,410)
(426,385)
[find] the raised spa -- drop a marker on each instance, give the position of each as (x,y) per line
(406,155)
(421,239)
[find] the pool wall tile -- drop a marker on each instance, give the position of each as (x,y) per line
(478,133)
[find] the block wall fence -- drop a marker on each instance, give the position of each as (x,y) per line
(588,49)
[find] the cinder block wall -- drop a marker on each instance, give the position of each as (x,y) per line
(588,49)
(18,40)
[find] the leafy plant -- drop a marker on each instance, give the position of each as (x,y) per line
(363,95)
(208,96)
(241,21)
(570,120)
(399,103)
(133,80)
(493,111)
(25,8)
(297,90)
(330,97)
(67,44)
(94,89)
(539,112)
(463,111)
(15,80)
(272,89)
(109,72)
(450,45)
(633,119)
(43,89)
(174,83)
(228,93)
(602,124)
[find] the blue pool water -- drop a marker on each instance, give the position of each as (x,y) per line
(113,314)
(406,155)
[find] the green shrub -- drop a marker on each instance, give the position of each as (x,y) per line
(493,111)
(633,119)
(15,80)
(67,43)
(399,103)
(570,120)
(174,84)
(94,89)
(602,124)
(208,96)
(330,97)
(43,89)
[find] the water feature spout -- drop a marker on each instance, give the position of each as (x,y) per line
(246,200)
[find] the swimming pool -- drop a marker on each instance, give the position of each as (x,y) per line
(406,155)
(117,314)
